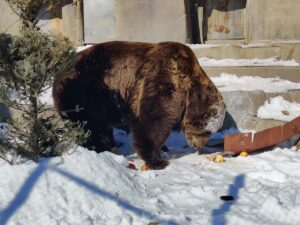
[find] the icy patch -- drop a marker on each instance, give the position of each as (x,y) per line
(209,62)
(279,109)
(231,82)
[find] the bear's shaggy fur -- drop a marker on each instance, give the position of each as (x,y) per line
(149,87)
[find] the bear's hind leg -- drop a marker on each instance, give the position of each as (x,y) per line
(148,141)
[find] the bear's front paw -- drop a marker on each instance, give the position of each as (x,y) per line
(158,164)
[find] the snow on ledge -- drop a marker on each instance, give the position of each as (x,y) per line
(81,48)
(209,62)
(231,82)
(279,109)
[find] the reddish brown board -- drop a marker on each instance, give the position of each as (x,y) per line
(237,143)
(267,138)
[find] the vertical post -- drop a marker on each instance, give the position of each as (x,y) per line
(79,6)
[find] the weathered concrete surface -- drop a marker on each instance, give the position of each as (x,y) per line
(263,124)
(273,19)
(9,21)
(226,19)
(295,95)
(69,20)
(282,51)
(155,20)
(100,24)
(285,95)
(237,105)
(242,108)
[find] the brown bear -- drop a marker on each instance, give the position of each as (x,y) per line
(151,87)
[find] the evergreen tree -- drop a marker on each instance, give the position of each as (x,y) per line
(29,11)
(28,64)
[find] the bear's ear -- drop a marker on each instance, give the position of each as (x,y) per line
(196,103)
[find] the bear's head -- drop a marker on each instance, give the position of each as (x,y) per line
(204,114)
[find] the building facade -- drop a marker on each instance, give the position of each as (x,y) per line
(187,21)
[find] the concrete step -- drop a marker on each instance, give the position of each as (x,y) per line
(283,72)
(266,50)
(242,107)
(283,51)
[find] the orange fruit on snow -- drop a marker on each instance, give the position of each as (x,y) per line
(144,168)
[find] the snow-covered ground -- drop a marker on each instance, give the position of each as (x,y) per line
(83,187)
(86,188)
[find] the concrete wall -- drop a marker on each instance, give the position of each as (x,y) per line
(63,21)
(273,20)
(9,21)
(160,20)
(68,20)
(155,20)
(99,20)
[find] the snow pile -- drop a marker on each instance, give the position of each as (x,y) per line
(279,109)
(209,62)
(90,188)
(231,82)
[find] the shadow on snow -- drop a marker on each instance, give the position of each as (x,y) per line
(218,215)
(23,193)
(25,190)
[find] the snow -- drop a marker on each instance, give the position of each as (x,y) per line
(81,48)
(279,109)
(209,62)
(231,82)
(46,97)
(200,46)
(89,188)
(83,187)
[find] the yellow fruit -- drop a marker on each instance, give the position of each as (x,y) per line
(144,168)
(219,159)
(244,154)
